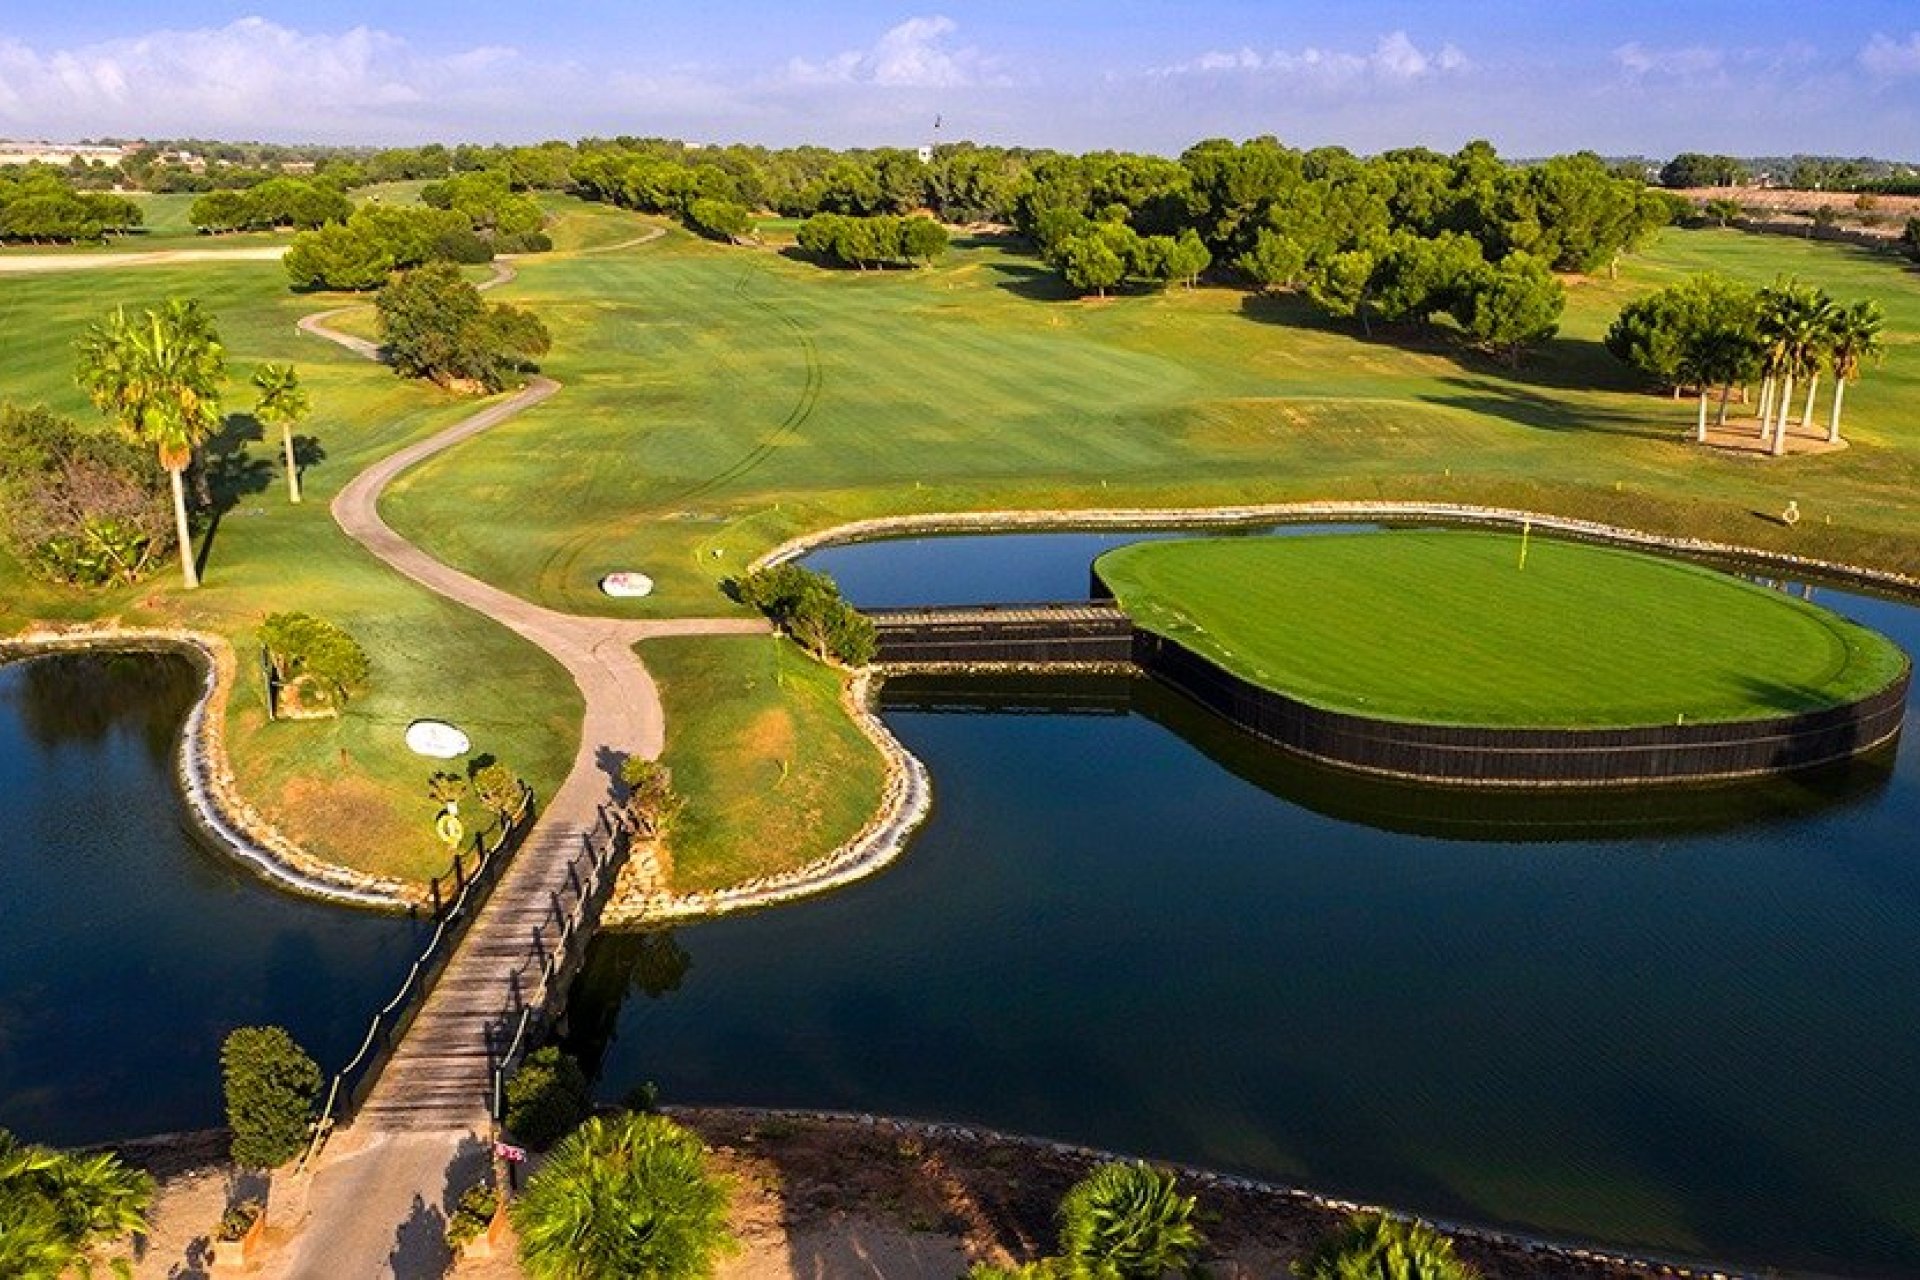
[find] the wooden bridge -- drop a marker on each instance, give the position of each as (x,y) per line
(1049,634)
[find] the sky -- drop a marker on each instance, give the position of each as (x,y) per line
(1622,77)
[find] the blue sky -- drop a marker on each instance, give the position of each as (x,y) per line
(1837,76)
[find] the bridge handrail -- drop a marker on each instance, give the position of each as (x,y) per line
(576,924)
(387,1024)
(886,612)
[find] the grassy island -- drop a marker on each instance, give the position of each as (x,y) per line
(1448,627)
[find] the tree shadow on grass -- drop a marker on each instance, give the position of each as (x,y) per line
(1033,282)
(1495,398)
(229,472)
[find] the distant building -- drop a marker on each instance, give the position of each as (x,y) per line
(59,153)
(926,155)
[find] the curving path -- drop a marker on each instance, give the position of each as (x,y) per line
(377,1203)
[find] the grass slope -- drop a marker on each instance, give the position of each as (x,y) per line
(1446,626)
(720,399)
(774,773)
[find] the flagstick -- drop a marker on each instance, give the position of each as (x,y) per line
(1526,531)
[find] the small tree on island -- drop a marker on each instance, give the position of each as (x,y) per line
(271,1087)
(316,661)
(808,606)
(436,325)
(283,403)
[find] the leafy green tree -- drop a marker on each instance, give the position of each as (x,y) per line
(1724,211)
(436,325)
(546,1097)
(1910,238)
(498,789)
(1128,1222)
(1188,258)
(1091,263)
(158,377)
(720,219)
(808,606)
(1371,1247)
(283,403)
(1509,306)
(922,240)
(1692,169)
(623,1197)
(1276,263)
(56,1208)
(337,257)
(271,1088)
(1339,285)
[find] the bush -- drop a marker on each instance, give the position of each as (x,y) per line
(1371,1247)
(624,1197)
(547,1097)
(271,1087)
(651,798)
(809,608)
(472,1215)
(310,655)
(1129,1222)
(77,506)
(57,1210)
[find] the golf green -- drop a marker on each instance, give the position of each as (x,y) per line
(1454,627)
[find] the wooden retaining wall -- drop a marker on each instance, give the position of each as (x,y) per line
(1099,634)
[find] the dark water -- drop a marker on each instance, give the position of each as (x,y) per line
(1688,1022)
(127,948)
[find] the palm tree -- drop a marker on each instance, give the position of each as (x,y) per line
(1379,1248)
(159,378)
(1856,339)
(628,1196)
(1775,310)
(283,403)
(55,1207)
(1127,1221)
(1823,318)
(1791,326)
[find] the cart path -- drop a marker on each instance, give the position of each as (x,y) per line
(388,1173)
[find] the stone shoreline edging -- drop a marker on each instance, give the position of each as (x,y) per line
(1092,519)
(1531,1245)
(205,773)
(906,799)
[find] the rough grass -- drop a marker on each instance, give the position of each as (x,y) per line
(774,773)
(721,399)
(1448,627)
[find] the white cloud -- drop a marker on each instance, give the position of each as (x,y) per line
(249,78)
(1885,56)
(1396,59)
(1636,59)
(914,55)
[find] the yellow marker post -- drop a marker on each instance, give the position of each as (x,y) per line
(1526,531)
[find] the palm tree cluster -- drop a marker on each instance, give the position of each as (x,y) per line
(1373,1247)
(1710,332)
(1121,1222)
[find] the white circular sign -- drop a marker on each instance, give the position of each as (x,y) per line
(627,584)
(438,739)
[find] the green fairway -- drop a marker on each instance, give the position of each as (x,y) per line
(1449,627)
(773,772)
(719,400)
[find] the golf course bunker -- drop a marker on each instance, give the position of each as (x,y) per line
(1496,659)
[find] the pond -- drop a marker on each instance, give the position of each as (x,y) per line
(1687,1022)
(128,947)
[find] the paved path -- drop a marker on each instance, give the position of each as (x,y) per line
(384,1184)
(25,263)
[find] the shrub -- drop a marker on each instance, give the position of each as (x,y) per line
(623,1197)
(271,1087)
(319,661)
(472,1215)
(57,1209)
(1371,1247)
(651,798)
(1129,1222)
(78,506)
(547,1097)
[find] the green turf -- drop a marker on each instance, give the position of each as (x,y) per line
(773,772)
(721,399)
(1451,627)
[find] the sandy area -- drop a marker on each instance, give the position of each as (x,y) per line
(840,1199)
(23,263)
